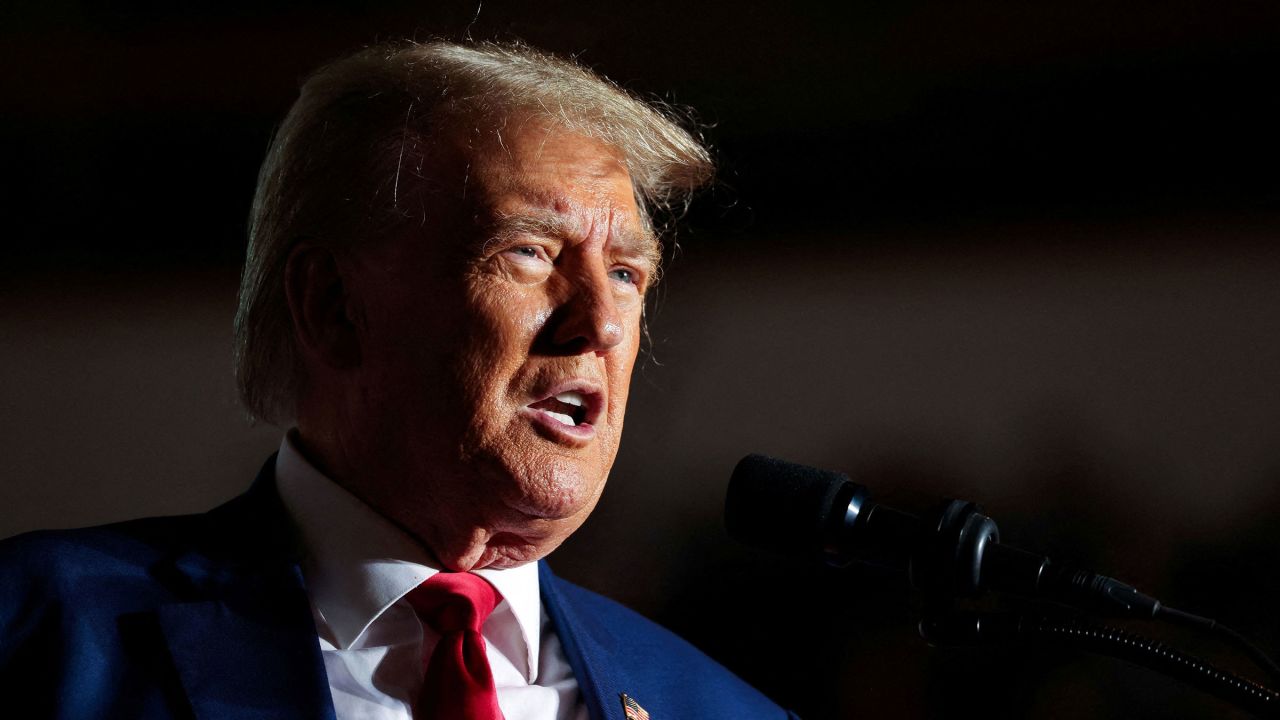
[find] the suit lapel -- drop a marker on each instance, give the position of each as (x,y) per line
(589,647)
(243,639)
(242,663)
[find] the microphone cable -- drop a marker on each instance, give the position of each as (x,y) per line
(987,628)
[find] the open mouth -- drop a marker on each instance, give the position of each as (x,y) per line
(570,408)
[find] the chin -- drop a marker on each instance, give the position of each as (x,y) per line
(557,490)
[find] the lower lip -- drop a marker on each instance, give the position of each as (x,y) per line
(569,434)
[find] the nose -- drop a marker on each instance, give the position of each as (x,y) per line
(588,320)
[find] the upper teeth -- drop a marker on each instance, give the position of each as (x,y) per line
(571,398)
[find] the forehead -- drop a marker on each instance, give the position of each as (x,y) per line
(558,177)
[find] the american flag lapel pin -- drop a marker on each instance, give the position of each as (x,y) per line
(632,709)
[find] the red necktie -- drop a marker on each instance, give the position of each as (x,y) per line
(457,682)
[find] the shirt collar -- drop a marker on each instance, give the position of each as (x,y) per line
(357,563)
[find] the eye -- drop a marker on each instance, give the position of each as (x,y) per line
(623,274)
(532,252)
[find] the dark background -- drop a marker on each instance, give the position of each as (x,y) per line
(1020,253)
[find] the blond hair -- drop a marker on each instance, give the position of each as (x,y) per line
(348,164)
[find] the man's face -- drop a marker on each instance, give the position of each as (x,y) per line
(497,346)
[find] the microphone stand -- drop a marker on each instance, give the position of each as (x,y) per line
(957,553)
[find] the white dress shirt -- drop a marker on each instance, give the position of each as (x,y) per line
(358,568)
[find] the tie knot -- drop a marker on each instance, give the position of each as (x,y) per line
(452,602)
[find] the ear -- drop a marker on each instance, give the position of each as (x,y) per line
(320,303)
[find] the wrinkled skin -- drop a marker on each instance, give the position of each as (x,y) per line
(423,352)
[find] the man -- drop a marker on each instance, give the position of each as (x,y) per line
(449,254)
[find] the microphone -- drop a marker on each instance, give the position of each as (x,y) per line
(956,551)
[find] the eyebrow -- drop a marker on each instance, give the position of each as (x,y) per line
(640,243)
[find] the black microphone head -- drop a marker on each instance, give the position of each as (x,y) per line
(776,505)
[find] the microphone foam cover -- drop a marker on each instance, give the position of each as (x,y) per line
(776,505)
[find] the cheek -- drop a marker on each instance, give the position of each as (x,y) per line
(621,363)
(537,319)
(501,323)
(402,349)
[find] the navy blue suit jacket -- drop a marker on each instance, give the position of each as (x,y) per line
(206,616)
